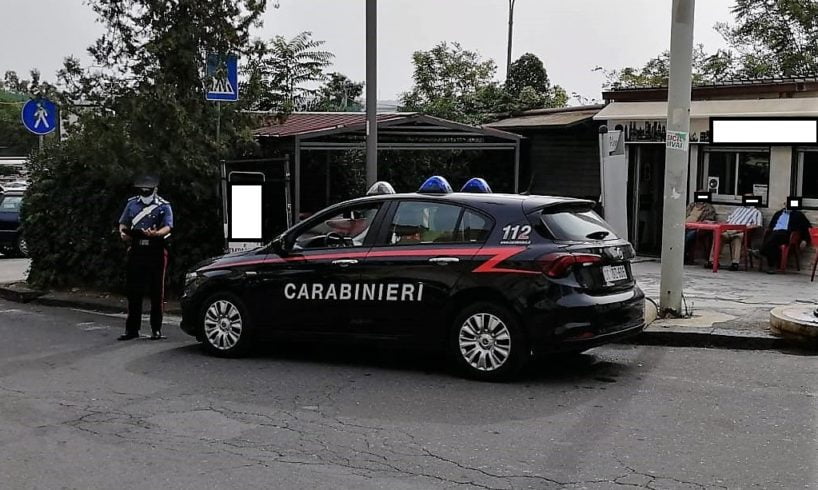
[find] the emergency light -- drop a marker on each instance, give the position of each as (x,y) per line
(476,185)
(380,187)
(435,185)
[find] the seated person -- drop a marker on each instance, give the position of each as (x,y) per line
(697,212)
(749,216)
(784,222)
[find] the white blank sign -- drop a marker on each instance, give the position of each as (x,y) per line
(792,131)
(245,212)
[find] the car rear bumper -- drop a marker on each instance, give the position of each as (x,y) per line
(580,321)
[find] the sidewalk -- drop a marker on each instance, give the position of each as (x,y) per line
(729,309)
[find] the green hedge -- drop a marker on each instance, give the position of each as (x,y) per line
(78,190)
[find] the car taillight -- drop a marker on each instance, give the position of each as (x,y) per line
(560,263)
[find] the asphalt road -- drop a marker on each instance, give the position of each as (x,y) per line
(80,410)
(13,269)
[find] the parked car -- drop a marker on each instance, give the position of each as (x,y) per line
(11,239)
(493,279)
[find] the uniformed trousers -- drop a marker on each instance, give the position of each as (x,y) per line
(145,273)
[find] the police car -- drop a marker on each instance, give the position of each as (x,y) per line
(493,279)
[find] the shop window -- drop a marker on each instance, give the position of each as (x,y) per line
(807,176)
(729,173)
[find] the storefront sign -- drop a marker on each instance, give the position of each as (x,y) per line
(676,140)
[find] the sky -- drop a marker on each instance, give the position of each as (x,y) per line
(570,36)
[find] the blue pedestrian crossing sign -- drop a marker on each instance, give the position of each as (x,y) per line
(39,116)
(222,77)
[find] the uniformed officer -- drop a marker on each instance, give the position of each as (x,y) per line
(145,225)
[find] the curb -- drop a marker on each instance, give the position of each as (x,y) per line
(19,295)
(721,338)
(47,300)
(25,295)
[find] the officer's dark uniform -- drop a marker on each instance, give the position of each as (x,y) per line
(147,258)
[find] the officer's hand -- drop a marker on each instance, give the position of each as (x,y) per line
(149,232)
(803,244)
(124,236)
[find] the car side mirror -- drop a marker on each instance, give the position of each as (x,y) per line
(282,245)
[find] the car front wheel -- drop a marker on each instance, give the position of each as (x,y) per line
(488,343)
(226,326)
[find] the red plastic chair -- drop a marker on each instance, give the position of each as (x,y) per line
(795,246)
(813,234)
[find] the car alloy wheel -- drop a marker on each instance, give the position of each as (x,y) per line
(22,247)
(485,342)
(223,325)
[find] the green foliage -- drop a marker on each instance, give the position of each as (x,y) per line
(452,83)
(773,38)
(339,94)
(143,111)
(457,84)
(287,69)
(770,38)
(655,73)
(527,71)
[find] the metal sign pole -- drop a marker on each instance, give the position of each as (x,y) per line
(676,157)
(371,93)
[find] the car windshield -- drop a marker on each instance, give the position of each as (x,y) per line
(577,225)
(10,204)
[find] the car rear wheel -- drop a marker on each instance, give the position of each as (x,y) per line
(21,248)
(226,326)
(488,343)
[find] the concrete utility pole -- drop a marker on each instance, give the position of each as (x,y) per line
(676,157)
(510,30)
(371,92)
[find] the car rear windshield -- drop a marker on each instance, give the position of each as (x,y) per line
(576,225)
(10,204)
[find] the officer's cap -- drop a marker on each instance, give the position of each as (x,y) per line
(146,180)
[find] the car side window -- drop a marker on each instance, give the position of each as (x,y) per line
(473,228)
(346,228)
(425,222)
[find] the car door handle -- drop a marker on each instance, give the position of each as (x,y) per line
(444,260)
(344,262)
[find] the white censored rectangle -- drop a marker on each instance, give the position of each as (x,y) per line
(245,212)
(773,131)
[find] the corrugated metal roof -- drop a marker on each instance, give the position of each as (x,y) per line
(566,118)
(794,107)
(300,123)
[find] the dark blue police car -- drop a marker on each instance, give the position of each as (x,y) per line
(493,279)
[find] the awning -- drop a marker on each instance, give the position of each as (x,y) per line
(538,120)
(794,107)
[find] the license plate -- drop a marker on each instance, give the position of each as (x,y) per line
(613,273)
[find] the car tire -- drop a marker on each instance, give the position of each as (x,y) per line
(225,326)
(21,248)
(487,343)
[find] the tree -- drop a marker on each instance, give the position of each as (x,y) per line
(770,38)
(655,73)
(288,69)
(144,111)
(451,82)
(527,71)
(774,38)
(528,85)
(339,93)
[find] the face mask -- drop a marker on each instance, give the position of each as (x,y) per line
(146,195)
